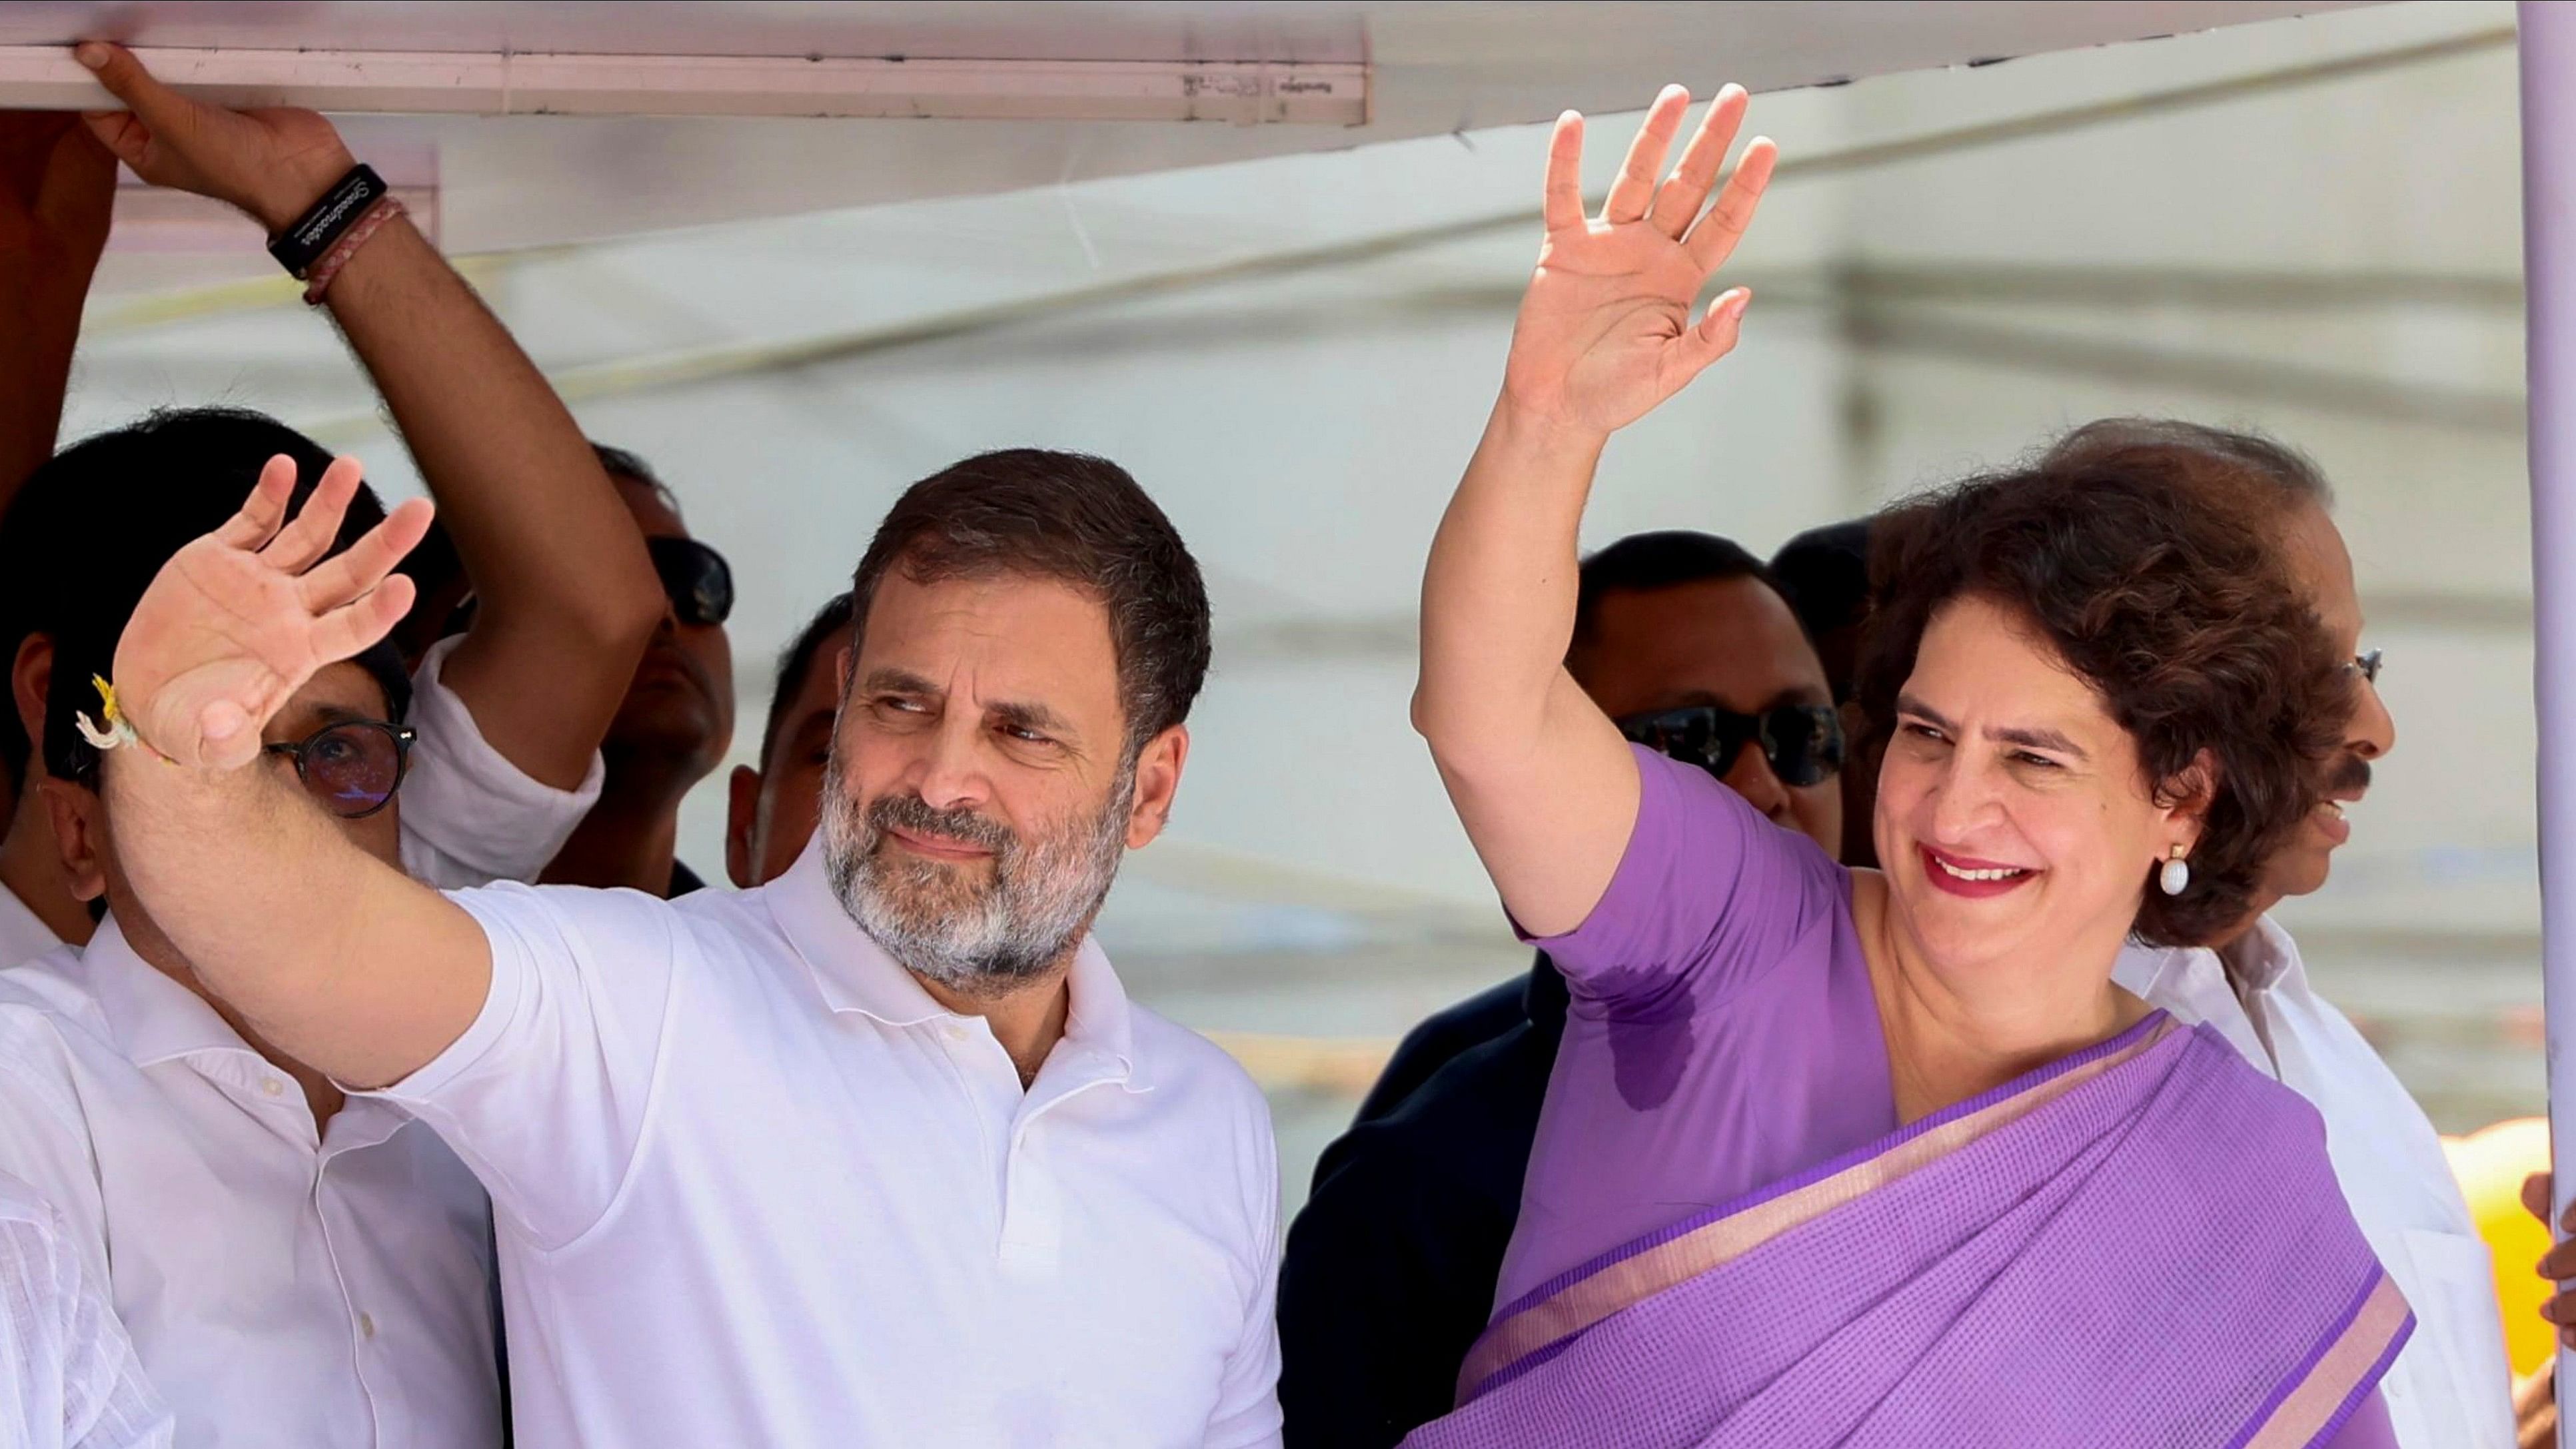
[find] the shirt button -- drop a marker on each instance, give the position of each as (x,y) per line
(273,1087)
(366,1325)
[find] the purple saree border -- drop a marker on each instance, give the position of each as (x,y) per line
(2350,1403)
(2036,1077)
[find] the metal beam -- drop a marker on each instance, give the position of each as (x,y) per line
(2549,272)
(45,77)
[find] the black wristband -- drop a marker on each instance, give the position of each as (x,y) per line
(301,245)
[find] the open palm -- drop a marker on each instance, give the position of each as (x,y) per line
(237,621)
(1605,331)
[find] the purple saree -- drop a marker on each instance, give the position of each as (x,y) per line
(2142,1243)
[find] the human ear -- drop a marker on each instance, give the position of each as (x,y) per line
(31,674)
(2184,798)
(1158,780)
(79,835)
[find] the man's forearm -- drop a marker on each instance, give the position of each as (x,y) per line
(57,192)
(558,568)
(337,958)
(41,318)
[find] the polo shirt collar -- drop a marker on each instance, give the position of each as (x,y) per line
(853,973)
(151,1017)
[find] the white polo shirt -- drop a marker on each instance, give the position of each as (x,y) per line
(283,1286)
(755,1186)
(2450,1387)
(68,1375)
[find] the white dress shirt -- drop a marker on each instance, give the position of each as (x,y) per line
(68,1375)
(755,1186)
(2450,1387)
(22,936)
(284,1286)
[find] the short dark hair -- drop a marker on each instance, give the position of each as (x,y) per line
(1662,560)
(94,524)
(2156,580)
(1826,572)
(619,463)
(797,661)
(2267,471)
(1077,519)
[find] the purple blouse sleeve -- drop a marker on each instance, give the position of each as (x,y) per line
(1708,894)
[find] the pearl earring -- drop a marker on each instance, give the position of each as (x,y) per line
(2176,875)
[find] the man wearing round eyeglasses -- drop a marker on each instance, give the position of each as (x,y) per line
(240,1195)
(677,719)
(1688,642)
(295,1268)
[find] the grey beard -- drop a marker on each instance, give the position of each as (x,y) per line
(979,938)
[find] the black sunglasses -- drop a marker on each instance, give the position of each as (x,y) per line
(696,577)
(353,767)
(1802,742)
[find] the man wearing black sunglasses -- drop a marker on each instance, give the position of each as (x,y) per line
(1689,643)
(677,719)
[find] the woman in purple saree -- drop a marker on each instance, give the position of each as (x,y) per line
(1885,1158)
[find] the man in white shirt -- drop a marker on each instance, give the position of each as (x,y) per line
(878,1153)
(297,1270)
(2450,1387)
(68,1375)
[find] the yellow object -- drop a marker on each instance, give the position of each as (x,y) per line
(112,730)
(2491,1164)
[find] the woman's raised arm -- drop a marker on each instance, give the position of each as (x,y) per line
(1542,781)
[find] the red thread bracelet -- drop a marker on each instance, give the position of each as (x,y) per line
(318,280)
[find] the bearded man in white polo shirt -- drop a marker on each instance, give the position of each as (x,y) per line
(2450,1386)
(876,1154)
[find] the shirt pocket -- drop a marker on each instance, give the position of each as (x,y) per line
(2460,1326)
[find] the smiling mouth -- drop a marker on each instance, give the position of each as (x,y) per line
(2001,872)
(1971,877)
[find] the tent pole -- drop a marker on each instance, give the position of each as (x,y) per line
(2549,271)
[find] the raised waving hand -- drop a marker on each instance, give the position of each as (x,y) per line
(1605,332)
(1542,780)
(237,621)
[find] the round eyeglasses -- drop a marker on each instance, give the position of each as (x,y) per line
(353,767)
